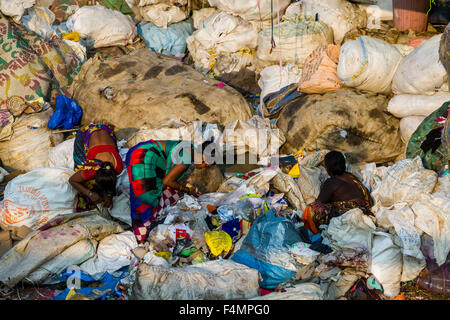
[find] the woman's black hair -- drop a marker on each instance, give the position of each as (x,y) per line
(335,162)
(106,180)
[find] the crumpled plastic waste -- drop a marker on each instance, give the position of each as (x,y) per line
(218,242)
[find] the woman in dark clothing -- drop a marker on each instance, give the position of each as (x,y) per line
(339,194)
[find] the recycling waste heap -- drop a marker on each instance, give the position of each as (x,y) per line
(274,85)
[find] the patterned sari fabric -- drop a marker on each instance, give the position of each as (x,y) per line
(318,213)
(430,140)
(147,164)
(81,161)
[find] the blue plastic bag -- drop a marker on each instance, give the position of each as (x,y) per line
(266,248)
(170,41)
(67,115)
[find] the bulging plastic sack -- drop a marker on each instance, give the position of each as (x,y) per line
(368,64)
(67,115)
(421,72)
(405,181)
(405,105)
(212,280)
(34,198)
(266,248)
(102,26)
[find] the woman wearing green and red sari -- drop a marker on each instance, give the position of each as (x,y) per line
(155,170)
(338,194)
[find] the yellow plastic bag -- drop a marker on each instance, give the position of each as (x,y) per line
(218,242)
(73,295)
(295,170)
(165,255)
(72,36)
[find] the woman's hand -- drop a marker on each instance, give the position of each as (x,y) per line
(108,202)
(193,191)
(94,196)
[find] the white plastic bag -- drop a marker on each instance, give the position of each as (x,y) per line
(340,15)
(199,16)
(33,198)
(212,280)
(251,9)
(408,126)
(405,105)
(62,155)
(104,26)
(30,143)
(368,64)
(433,217)
(72,256)
(113,253)
(405,181)
(386,263)
(421,72)
(351,227)
(223,33)
(15,8)
(163,14)
(294,42)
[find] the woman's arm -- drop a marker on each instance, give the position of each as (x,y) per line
(77,181)
(170,180)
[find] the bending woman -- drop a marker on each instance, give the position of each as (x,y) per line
(339,194)
(97,163)
(155,170)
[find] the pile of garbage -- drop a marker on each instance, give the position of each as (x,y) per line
(314,75)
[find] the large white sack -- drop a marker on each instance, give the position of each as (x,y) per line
(272,79)
(386,263)
(163,14)
(29,145)
(199,16)
(41,246)
(351,227)
(72,256)
(433,217)
(399,220)
(421,72)
(212,280)
(258,136)
(105,27)
(15,8)
(409,125)
(295,40)
(302,291)
(33,198)
(223,33)
(368,64)
(249,9)
(405,105)
(405,181)
(340,15)
(113,253)
(62,155)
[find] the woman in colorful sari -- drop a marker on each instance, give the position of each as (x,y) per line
(431,141)
(155,170)
(339,194)
(97,163)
